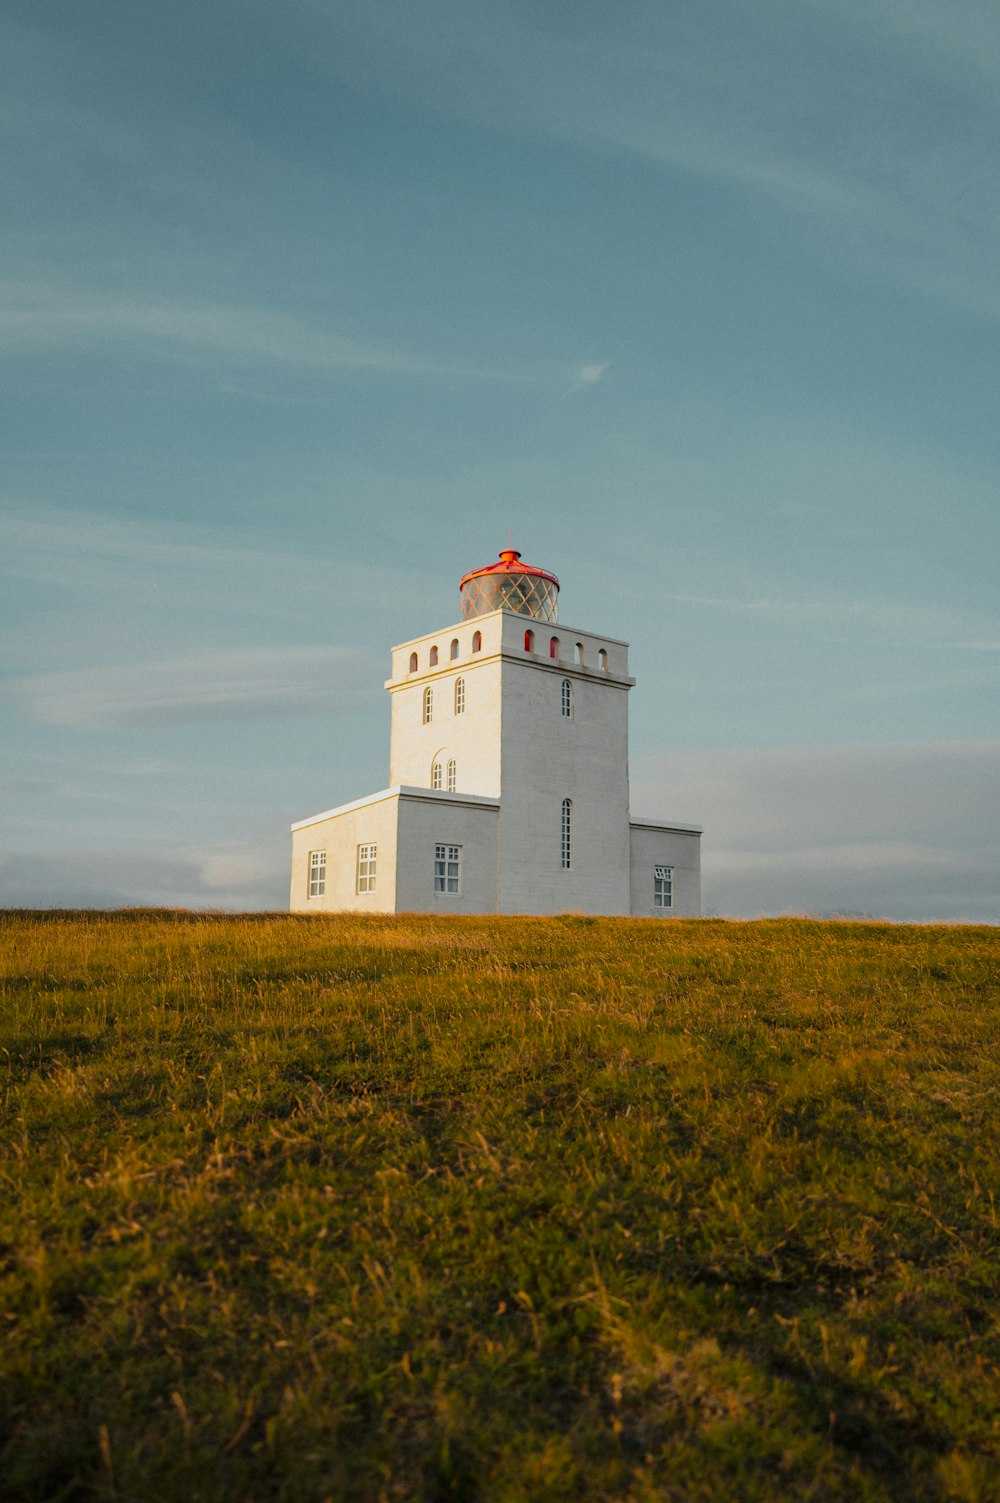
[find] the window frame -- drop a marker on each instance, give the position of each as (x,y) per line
(663,887)
(460,696)
(427,712)
(451,776)
(566,842)
(437,776)
(446,857)
(366,868)
(316,875)
(566,699)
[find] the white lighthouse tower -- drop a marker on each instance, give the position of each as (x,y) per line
(508,772)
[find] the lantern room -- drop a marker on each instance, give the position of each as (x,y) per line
(510,585)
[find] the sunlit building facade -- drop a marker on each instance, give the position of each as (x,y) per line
(508,777)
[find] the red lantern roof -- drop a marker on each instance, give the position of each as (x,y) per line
(512,586)
(509,563)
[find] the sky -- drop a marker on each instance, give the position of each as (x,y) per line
(304,305)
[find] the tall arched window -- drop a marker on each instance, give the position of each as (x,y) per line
(567,832)
(602,660)
(413,662)
(567,698)
(428,705)
(434,657)
(477,641)
(579,653)
(554,647)
(460,696)
(452,776)
(436,775)
(529,641)
(454,648)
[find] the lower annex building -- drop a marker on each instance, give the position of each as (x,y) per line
(508,773)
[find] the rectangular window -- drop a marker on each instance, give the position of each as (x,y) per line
(447,867)
(663,887)
(366,867)
(317,874)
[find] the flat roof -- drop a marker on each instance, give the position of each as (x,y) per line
(666,824)
(401,790)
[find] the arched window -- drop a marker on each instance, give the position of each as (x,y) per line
(602,660)
(452,775)
(554,647)
(413,662)
(460,696)
(477,641)
(436,775)
(567,698)
(529,641)
(428,705)
(454,648)
(579,653)
(434,657)
(567,832)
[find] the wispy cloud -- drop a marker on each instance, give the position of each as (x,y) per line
(41,318)
(216,686)
(588,374)
(878,119)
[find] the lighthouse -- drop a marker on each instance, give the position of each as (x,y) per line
(508,777)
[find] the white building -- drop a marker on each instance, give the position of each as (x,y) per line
(508,772)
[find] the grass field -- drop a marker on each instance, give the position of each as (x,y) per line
(416,1208)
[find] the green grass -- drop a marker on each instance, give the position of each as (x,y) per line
(415,1208)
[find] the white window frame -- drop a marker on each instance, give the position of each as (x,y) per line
(437,780)
(663,888)
(451,778)
(567,699)
(428,705)
(317,874)
(367,867)
(460,696)
(566,848)
(447,870)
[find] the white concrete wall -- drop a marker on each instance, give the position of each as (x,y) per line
(435,819)
(548,757)
(340,835)
(653,845)
(473,738)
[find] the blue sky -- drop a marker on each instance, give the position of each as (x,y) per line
(303,305)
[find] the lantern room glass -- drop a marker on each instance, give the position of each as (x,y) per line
(527,594)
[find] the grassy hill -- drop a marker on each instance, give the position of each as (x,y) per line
(416,1208)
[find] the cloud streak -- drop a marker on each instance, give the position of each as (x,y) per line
(588,375)
(209,686)
(50,318)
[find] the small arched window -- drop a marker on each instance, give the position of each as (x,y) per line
(554,647)
(436,775)
(579,653)
(567,833)
(454,648)
(460,696)
(413,662)
(434,657)
(452,776)
(428,705)
(477,641)
(529,641)
(602,660)
(567,698)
